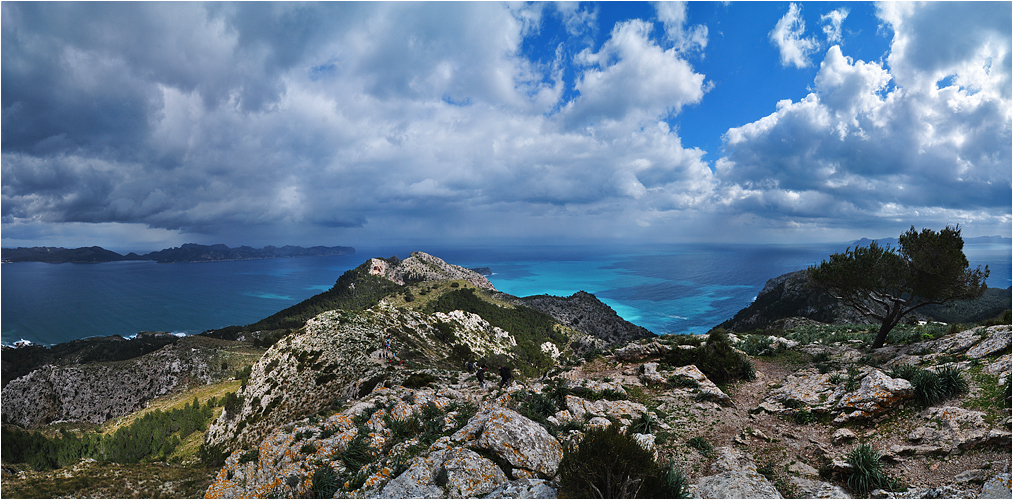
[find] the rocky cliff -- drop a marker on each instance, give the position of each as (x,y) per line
(789,296)
(585,313)
(97,391)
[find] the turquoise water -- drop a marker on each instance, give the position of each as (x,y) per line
(670,289)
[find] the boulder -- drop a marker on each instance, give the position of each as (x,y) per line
(998,339)
(736,478)
(999,486)
(513,437)
(948,428)
(736,484)
(807,386)
(707,388)
(843,434)
(467,475)
(634,352)
(524,488)
(649,374)
(811,488)
(578,407)
(877,393)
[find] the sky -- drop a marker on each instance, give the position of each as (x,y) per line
(141,126)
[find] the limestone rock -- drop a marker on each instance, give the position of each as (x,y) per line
(999,486)
(811,488)
(843,434)
(515,438)
(468,475)
(578,407)
(736,484)
(707,387)
(998,339)
(876,394)
(634,352)
(806,386)
(650,374)
(524,488)
(947,429)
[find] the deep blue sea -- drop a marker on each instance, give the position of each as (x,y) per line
(666,289)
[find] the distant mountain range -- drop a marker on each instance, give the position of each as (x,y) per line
(189,252)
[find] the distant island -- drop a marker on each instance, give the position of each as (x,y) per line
(189,252)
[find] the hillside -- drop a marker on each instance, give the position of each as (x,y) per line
(789,296)
(370,400)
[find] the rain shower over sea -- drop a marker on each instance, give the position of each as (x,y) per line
(666,289)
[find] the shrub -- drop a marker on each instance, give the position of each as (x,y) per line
(418,380)
(308,449)
(866,470)
(325,482)
(644,424)
(821,357)
(701,444)
(715,358)
(683,381)
(609,464)
(250,456)
(932,387)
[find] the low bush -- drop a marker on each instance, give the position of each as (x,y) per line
(702,445)
(325,482)
(716,358)
(932,387)
(610,464)
(866,470)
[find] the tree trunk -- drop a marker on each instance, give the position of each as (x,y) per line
(889,322)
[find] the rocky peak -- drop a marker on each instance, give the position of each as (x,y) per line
(421,266)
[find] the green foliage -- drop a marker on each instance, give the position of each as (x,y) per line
(418,380)
(308,449)
(932,387)
(758,345)
(684,382)
(610,464)
(887,284)
(250,456)
(529,327)
(715,358)
(644,424)
(866,470)
(325,482)
(702,445)
(154,436)
(358,452)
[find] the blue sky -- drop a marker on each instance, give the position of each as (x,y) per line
(138,126)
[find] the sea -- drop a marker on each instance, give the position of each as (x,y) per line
(687,288)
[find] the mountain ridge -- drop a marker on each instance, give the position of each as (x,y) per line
(188,252)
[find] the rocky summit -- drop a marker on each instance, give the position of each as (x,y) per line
(401,396)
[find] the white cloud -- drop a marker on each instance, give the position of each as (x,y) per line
(834,19)
(788,36)
(683,38)
(631,76)
(858,148)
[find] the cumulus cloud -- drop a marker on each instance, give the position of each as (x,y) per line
(834,20)
(632,76)
(875,141)
(788,36)
(388,117)
(684,38)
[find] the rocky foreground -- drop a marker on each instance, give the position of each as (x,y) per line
(370,401)
(787,433)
